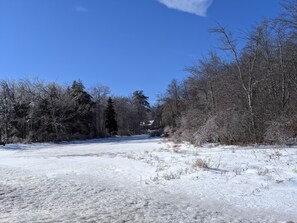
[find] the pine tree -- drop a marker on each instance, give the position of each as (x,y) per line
(110,116)
(142,108)
(80,113)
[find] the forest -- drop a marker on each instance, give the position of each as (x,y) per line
(34,111)
(248,95)
(238,94)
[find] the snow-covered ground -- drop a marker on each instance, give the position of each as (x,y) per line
(141,179)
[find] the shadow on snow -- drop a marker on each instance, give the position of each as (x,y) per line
(111,140)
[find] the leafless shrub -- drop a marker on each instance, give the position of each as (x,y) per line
(176,148)
(208,132)
(200,163)
(168,131)
(278,132)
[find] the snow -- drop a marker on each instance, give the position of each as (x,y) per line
(142,179)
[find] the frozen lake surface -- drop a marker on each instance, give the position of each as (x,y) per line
(141,179)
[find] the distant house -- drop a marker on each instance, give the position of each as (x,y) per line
(147,125)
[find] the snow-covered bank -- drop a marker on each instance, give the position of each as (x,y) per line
(140,179)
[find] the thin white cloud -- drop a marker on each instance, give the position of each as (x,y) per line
(81,9)
(197,7)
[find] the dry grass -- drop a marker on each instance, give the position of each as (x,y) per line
(200,163)
(275,155)
(279,181)
(176,148)
(262,171)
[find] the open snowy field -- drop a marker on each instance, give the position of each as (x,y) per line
(141,179)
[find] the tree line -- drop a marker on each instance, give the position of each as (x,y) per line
(248,95)
(34,111)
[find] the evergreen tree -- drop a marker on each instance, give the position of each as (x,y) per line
(80,113)
(141,108)
(141,101)
(110,116)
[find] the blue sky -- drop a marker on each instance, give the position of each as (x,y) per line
(125,44)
